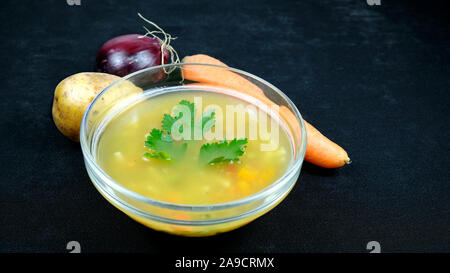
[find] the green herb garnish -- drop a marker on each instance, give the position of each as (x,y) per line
(168,120)
(222,151)
(208,120)
(163,146)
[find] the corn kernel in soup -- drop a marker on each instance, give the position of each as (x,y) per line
(121,149)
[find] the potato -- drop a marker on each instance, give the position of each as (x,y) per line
(73,95)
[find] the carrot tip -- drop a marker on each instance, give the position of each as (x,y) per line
(348,161)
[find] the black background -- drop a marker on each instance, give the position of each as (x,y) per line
(375,79)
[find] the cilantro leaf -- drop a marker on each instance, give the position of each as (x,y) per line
(168,120)
(222,151)
(208,120)
(162,146)
(191,107)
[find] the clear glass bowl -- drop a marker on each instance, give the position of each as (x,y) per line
(204,220)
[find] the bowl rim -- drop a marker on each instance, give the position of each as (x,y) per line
(294,167)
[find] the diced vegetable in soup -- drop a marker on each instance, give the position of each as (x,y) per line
(158,150)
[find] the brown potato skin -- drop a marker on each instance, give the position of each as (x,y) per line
(72,96)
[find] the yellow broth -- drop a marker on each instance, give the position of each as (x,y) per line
(120,153)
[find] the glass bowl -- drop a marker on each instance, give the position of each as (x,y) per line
(202,220)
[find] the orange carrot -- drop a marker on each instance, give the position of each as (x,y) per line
(320,150)
(323,152)
(216,75)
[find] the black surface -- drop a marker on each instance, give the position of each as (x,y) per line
(373,78)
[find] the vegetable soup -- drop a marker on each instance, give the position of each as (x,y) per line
(152,148)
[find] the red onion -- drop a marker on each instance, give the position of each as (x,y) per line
(126,54)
